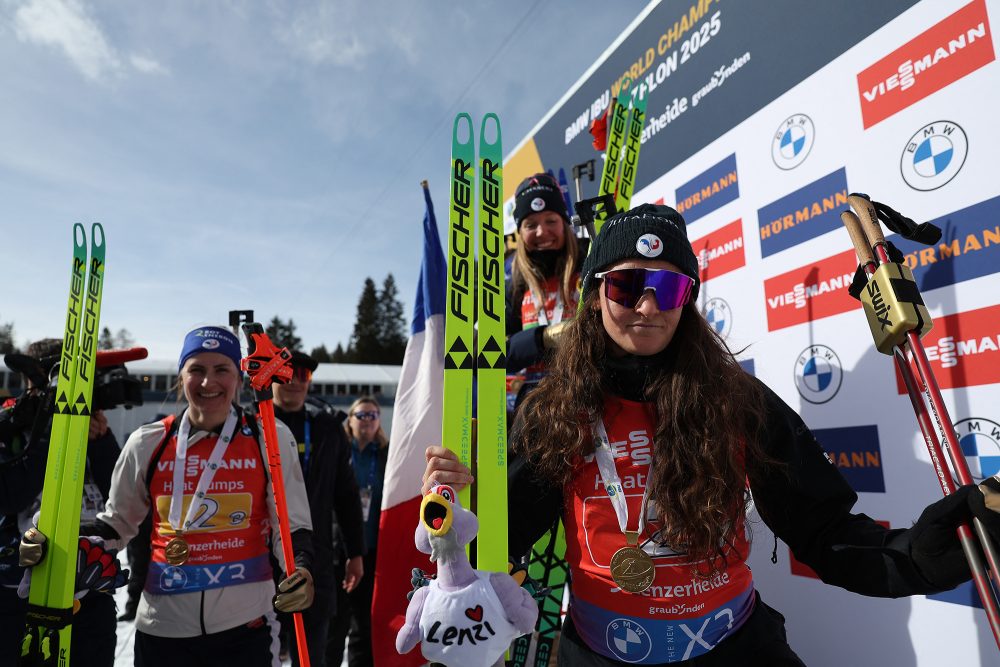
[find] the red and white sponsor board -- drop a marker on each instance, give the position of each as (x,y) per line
(810,292)
(964,349)
(937,57)
(720,252)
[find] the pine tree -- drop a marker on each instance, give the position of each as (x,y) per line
(365,346)
(321,354)
(106,341)
(7,344)
(392,325)
(123,339)
(339,356)
(283,334)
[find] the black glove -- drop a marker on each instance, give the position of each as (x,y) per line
(934,543)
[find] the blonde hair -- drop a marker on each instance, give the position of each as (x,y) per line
(380,437)
(525,275)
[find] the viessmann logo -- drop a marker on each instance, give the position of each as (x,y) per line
(964,349)
(709,190)
(805,214)
(941,55)
(720,252)
(810,292)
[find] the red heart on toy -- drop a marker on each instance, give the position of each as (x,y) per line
(475,613)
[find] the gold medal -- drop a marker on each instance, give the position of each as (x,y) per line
(631,567)
(177,551)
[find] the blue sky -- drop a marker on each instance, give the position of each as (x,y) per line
(256,154)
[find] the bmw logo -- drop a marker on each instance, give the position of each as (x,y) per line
(980,442)
(628,640)
(934,155)
(792,141)
(818,374)
(719,316)
(172,578)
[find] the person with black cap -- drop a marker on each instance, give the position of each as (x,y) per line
(334,503)
(24,445)
(209,597)
(648,436)
(542,290)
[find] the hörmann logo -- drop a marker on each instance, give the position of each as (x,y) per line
(720,252)
(855,451)
(970,247)
(805,214)
(810,292)
(964,349)
(934,59)
(934,155)
(709,190)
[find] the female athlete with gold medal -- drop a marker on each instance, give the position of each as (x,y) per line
(643,394)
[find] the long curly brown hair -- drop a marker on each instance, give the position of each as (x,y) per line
(710,415)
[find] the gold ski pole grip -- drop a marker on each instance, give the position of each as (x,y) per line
(891,299)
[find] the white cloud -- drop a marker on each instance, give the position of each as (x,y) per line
(64,24)
(325,35)
(147,65)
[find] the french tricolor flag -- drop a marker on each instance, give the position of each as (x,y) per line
(416,423)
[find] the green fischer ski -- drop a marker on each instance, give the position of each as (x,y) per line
(50,600)
(491,384)
(456,420)
(630,154)
(616,137)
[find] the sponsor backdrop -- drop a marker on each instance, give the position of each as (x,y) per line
(762,117)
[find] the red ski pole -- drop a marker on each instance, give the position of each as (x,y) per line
(891,288)
(266,364)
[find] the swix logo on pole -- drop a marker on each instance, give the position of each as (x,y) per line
(881,309)
(964,349)
(934,59)
(720,252)
(810,292)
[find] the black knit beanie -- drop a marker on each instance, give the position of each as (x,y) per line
(538,193)
(648,231)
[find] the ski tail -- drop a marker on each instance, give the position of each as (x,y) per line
(491,381)
(456,420)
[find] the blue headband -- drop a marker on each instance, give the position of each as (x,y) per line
(210,339)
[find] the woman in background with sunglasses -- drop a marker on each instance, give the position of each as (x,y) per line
(369,453)
(648,437)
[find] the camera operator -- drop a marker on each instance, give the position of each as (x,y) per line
(24,442)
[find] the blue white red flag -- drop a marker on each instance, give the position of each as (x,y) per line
(416,423)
